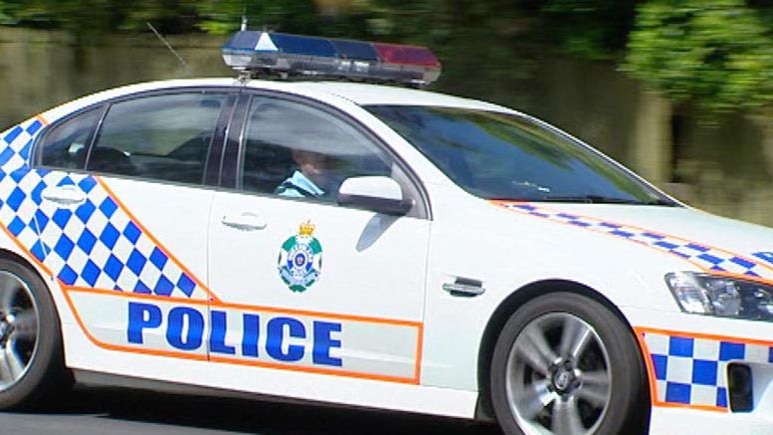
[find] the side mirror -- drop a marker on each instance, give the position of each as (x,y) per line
(375,193)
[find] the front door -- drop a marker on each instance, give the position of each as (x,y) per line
(307,285)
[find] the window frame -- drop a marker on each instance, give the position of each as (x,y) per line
(236,143)
(212,162)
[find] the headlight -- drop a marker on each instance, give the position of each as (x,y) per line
(701,293)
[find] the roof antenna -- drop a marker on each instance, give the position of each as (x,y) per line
(168,45)
(244,19)
(244,76)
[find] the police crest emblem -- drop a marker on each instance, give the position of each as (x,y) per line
(300,259)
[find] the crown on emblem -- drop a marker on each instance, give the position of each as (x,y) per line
(306,229)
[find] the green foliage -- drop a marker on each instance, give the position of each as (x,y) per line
(7,13)
(79,16)
(222,17)
(595,29)
(715,53)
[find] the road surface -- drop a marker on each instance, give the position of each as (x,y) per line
(97,412)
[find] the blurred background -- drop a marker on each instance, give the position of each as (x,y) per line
(678,90)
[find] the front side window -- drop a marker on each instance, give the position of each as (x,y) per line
(162,137)
(65,144)
(501,156)
(299,151)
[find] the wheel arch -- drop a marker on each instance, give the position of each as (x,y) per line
(503,312)
(7,254)
(44,383)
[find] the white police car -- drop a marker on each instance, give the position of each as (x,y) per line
(370,246)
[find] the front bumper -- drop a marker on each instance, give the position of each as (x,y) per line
(706,374)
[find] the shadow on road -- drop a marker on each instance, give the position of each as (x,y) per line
(247,416)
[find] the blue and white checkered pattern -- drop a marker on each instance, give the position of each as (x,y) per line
(94,245)
(704,257)
(692,371)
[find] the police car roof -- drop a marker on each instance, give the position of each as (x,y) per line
(370,94)
(359,93)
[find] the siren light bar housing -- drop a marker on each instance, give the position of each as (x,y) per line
(256,53)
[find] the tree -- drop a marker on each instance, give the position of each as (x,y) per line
(714,53)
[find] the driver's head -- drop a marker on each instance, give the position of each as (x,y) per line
(314,166)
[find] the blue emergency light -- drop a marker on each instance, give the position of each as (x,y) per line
(256,53)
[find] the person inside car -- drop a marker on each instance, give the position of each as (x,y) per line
(312,179)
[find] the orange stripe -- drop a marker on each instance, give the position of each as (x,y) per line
(419,355)
(696,407)
(203,357)
(155,240)
(245,307)
(25,250)
(350,317)
(41,119)
(701,335)
(123,294)
(756,279)
(314,370)
(219,359)
(651,378)
(507,204)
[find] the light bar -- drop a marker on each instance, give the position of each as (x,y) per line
(293,55)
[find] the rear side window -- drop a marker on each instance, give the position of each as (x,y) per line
(162,137)
(64,146)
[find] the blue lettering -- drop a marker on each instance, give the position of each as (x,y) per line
(323,343)
(178,317)
(275,330)
(217,337)
(251,331)
(767,256)
(185,331)
(142,316)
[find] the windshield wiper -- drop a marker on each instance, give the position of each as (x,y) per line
(600,199)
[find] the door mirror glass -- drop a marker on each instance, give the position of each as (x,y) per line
(376,193)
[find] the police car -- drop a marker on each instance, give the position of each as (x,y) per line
(372,246)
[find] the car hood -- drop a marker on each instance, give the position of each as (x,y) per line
(710,242)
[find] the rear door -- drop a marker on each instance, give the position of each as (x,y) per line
(123,217)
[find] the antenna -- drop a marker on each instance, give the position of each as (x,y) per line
(244,17)
(168,45)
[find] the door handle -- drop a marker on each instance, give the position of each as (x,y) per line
(465,287)
(245,221)
(64,195)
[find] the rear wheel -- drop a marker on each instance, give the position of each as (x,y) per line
(31,358)
(565,364)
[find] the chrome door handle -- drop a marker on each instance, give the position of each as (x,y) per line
(64,195)
(244,222)
(464,287)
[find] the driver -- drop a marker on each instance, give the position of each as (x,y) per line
(312,179)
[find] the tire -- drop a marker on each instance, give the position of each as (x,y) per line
(32,370)
(565,364)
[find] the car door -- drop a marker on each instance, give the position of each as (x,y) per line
(308,285)
(123,217)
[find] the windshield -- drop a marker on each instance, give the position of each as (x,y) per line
(507,157)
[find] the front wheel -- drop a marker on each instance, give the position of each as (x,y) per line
(565,364)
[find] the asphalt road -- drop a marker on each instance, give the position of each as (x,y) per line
(133,413)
